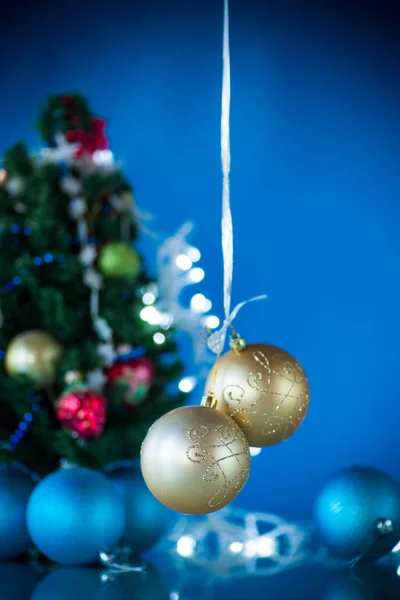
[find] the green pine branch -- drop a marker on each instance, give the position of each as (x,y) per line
(42,287)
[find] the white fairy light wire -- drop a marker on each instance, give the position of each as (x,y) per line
(216,341)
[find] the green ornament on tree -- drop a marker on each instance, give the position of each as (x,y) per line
(118,260)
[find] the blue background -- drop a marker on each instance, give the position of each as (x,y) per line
(315,184)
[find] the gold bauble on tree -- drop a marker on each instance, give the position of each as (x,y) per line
(118,260)
(35,354)
(263,388)
(195,460)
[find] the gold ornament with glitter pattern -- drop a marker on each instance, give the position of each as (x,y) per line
(195,460)
(263,388)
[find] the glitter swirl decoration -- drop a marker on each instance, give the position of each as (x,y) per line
(195,460)
(201,452)
(264,389)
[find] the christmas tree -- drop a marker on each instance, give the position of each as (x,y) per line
(83,374)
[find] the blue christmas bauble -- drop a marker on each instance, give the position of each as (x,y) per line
(15,489)
(350,508)
(77,584)
(146,518)
(73,514)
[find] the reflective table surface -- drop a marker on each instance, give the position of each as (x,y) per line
(22,582)
(230,555)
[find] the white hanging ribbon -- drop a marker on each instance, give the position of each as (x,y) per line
(216,341)
(82,230)
(94,282)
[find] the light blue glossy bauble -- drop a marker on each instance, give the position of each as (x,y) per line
(15,489)
(348,509)
(17,580)
(67,583)
(73,514)
(146,518)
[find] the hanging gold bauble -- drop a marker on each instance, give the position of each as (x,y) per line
(35,354)
(263,388)
(195,460)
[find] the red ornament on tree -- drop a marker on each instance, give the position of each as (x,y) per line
(99,137)
(89,142)
(83,412)
(131,380)
(67,99)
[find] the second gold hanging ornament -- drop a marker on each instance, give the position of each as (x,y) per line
(263,388)
(195,459)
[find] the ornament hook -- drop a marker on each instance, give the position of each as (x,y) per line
(236,342)
(209,400)
(384,526)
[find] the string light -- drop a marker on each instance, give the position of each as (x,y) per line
(38,261)
(193,253)
(196,275)
(264,546)
(212,322)
(185,546)
(159,338)
(176,272)
(148,298)
(187,384)
(200,304)
(254,451)
(183,262)
(16,229)
(103,157)
(23,426)
(151,315)
(236,547)
(154,317)
(134,353)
